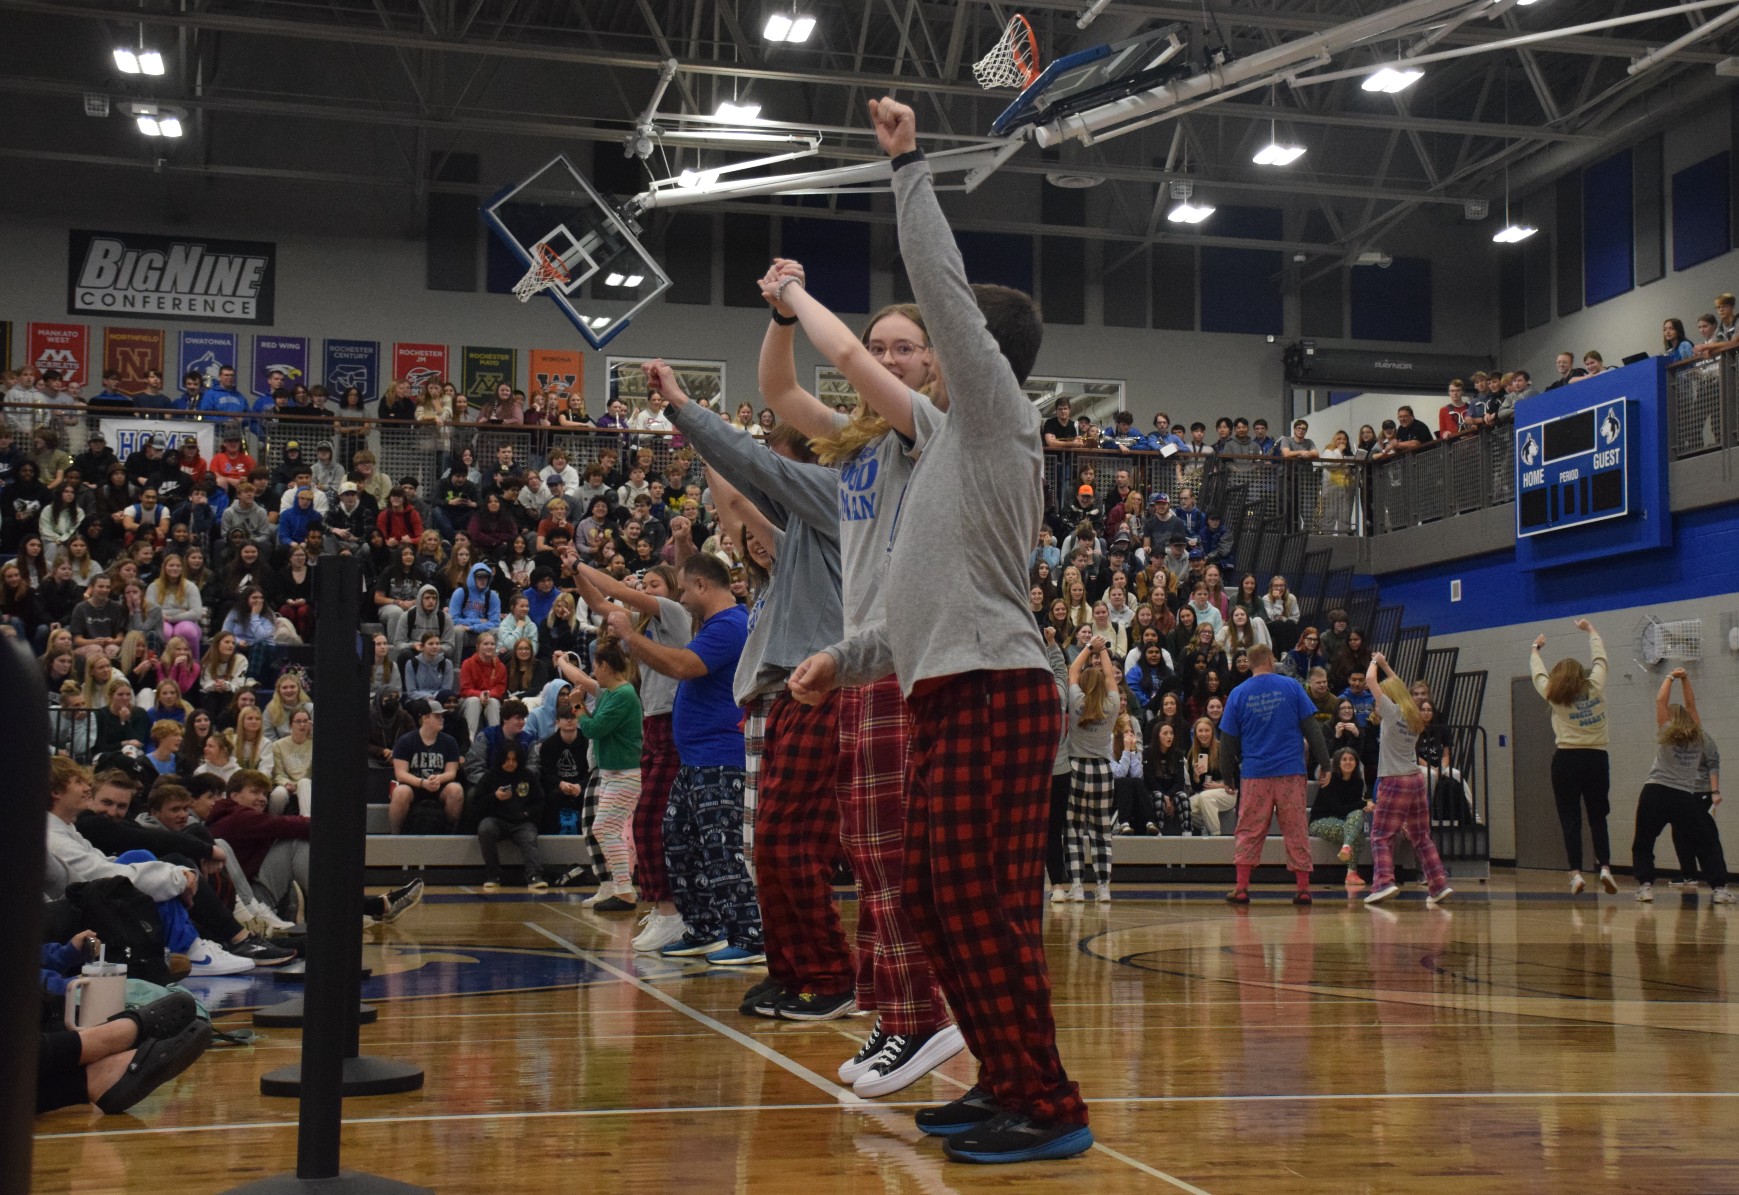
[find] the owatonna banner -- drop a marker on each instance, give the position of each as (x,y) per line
(191,278)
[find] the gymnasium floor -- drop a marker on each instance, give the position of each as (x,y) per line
(1515,1040)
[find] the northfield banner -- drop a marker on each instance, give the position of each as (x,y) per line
(419,363)
(352,363)
(192,278)
(556,372)
(485,369)
(286,354)
(206,352)
(66,347)
(134,352)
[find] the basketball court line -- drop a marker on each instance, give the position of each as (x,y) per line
(839,1093)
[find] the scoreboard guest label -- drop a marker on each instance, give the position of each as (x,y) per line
(1572,469)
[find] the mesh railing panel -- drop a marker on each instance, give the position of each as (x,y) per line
(1697,406)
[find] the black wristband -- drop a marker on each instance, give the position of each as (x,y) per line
(784,321)
(907,158)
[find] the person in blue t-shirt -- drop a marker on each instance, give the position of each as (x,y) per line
(703,823)
(1266,723)
(224,397)
(1362,699)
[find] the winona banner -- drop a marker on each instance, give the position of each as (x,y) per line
(557,372)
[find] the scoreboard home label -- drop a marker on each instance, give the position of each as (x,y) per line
(1571,470)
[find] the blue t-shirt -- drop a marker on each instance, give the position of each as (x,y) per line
(1264,712)
(705,720)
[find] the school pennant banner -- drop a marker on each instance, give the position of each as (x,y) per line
(485,369)
(352,363)
(559,373)
(66,347)
(204,352)
(287,354)
(134,352)
(419,363)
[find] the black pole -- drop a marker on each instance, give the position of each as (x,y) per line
(333,984)
(24,762)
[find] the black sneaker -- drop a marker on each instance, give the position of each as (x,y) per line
(813,1006)
(969,1111)
(260,952)
(401,901)
(767,992)
(1006,1137)
(860,1063)
(614,904)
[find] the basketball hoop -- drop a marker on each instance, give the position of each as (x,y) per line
(546,270)
(1013,61)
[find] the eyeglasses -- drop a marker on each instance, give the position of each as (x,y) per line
(900,351)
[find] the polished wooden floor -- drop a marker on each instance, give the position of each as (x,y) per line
(1515,1040)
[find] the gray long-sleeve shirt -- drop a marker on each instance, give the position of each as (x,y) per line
(799,499)
(988,448)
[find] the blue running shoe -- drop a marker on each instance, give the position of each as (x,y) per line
(967,1112)
(737,956)
(1006,1137)
(689,946)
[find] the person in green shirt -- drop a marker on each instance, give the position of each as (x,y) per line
(613,727)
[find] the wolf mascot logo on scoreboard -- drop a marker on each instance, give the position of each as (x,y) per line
(177,277)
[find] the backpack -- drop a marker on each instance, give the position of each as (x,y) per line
(426,816)
(126,921)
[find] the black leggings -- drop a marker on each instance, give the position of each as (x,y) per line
(1582,778)
(1660,807)
(1134,804)
(1056,862)
(60,1076)
(1695,863)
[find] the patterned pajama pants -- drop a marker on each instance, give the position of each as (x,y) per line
(588,830)
(1257,801)
(618,793)
(658,765)
(1091,812)
(798,825)
(893,976)
(703,854)
(1402,808)
(754,745)
(1342,831)
(982,745)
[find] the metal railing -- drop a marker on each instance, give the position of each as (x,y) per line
(1703,405)
(1456,792)
(1444,479)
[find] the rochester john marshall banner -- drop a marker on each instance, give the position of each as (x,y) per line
(171,277)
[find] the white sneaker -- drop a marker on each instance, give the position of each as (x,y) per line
(1059,894)
(1723,897)
(1438,897)
(246,916)
(264,914)
(1607,882)
(1577,883)
(1645,894)
(1104,894)
(1077,894)
(1382,894)
(208,958)
(605,891)
(663,929)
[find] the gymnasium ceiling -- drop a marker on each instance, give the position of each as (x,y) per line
(366,94)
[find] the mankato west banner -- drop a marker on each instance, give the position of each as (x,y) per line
(557,372)
(191,278)
(127,436)
(135,352)
(417,363)
(485,369)
(286,353)
(205,351)
(66,347)
(352,363)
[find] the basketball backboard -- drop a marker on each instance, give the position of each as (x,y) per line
(607,275)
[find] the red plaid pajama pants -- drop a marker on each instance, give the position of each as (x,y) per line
(658,764)
(893,976)
(1258,800)
(1402,808)
(797,836)
(982,746)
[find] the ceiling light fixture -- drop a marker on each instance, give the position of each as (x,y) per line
(1511,232)
(148,125)
(792,28)
(731,110)
(633,280)
(1389,80)
(150,62)
(1189,213)
(1274,153)
(126,61)
(138,62)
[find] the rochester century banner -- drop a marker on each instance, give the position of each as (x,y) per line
(132,273)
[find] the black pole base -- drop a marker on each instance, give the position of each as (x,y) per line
(297,972)
(362,1076)
(289,1014)
(348,1182)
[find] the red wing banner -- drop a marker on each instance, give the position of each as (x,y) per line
(191,278)
(418,363)
(66,347)
(135,352)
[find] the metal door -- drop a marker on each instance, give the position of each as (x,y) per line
(1539,841)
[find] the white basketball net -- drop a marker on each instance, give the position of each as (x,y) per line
(546,270)
(1010,62)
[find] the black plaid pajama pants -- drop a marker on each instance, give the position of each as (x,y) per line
(1092,808)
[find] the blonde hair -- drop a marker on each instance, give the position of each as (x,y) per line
(1195,750)
(1680,729)
(1395,689)
(1567,682)
(863,426)
(1094,697)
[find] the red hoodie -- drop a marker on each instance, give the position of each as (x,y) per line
(252,834)
(477,678)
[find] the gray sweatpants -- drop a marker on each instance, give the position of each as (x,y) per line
(490,832)
(286,861)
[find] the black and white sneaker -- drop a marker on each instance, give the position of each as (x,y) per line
(766,992)
(969,1111)
(260,952)
(577,876)
(859,1064)
(401,901)
(1010,1138)
(904,1060)
(814,1006)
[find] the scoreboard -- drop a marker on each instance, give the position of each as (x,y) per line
(1573,469)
